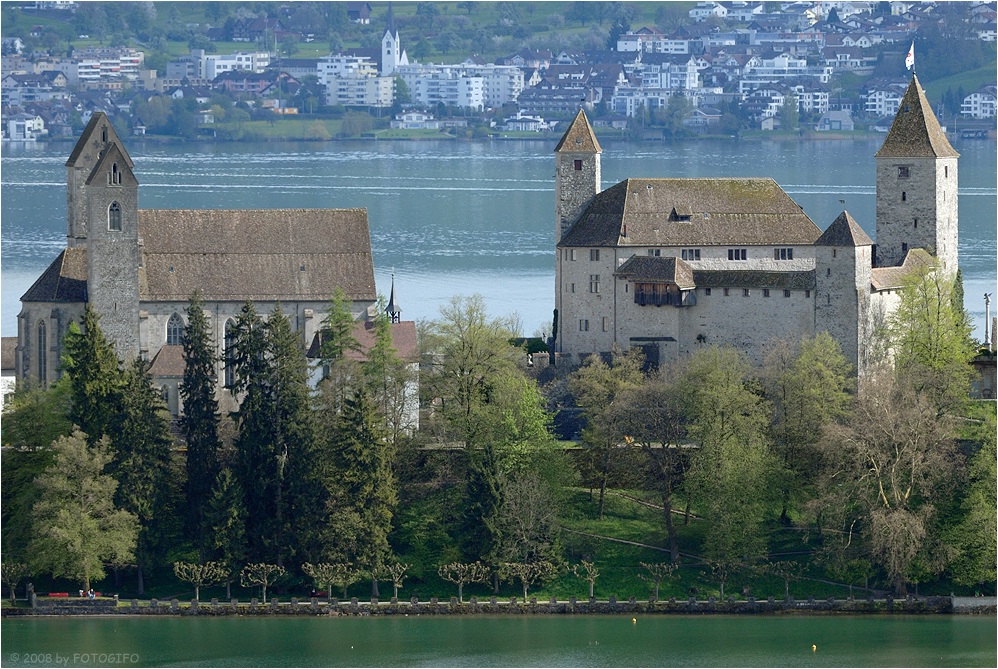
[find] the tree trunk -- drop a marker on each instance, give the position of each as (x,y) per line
(228,590)
(264,586)
(197,592)
(460,593)
(375,593)
(670,531)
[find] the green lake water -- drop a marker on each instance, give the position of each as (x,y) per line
(521,641)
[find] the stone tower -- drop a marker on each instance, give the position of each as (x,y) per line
(843,263)
(916,186)
(577,173)
(102,216)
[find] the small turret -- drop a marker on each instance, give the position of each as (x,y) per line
(393,309)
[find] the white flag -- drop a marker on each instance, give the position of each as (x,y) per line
(909,60)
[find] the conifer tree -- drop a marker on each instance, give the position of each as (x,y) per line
(141,443)
(300,489)
(199,421)
(95,378)
(363,487)
(256,465)
(225,518)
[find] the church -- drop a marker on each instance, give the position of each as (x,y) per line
(672,264)
(138,269)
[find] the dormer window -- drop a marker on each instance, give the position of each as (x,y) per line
(114,217)
(681,213)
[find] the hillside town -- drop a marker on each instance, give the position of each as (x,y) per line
(723,68)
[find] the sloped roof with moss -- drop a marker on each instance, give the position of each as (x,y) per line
(692,212)
(651,269)
(65,280)
(844,231)
(915,132)
(255,254)
(579,138)
(892,278)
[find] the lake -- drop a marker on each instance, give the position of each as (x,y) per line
(514,641)
(451,218)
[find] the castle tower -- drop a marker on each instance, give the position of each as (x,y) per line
(577,173)
(917,186)
(843,263)
(102,216)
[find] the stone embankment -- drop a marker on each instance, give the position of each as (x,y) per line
(512,606)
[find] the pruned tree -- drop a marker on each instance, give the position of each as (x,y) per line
(658,572)
(588,572)
(788,570)
(261,574)
(201,574)
(461,573)
(12,573)
(528,573)
(327,574)
(396,571)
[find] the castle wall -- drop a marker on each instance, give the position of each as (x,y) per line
(842,300)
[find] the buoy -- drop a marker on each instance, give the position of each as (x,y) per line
(634,620)
(814,648)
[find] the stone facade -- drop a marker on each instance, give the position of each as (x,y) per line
(139,268)
(671,265)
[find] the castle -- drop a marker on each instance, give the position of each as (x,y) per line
(671,264)
(138,268)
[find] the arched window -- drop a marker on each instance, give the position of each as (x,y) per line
(114,217)
(174,330)
(114,176)
(42,352)
(229,355)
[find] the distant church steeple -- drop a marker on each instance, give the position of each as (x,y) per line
(392,55)
(393,309)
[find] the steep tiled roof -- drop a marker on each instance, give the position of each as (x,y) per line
(694,212)
(272,254)
(653,269)
(915,132)
(844,231)
(169,362)
(579,138)
(403,340)
(888,278)
(65,280)
(706,278)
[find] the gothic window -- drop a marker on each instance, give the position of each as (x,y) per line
(103,133)
(230,357)
(42,352)
(114,217)
(114,176)
(174,330)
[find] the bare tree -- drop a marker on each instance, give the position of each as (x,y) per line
(261,574)
(327,574)
(463,572)
(12,572)
(658,572)
(395,571)
(199,575)
(588,572)
(528,573)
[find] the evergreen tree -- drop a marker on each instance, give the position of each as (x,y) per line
(257,463)
(300,490)
(363,487)
(225,519)
(95,377)
(141,458)
(78,528)
(199,421)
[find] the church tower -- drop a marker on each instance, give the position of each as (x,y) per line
(102,217)
(577,173)
(843,263)
(391,47)
(917,186)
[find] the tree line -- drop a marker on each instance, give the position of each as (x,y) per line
(890,481)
